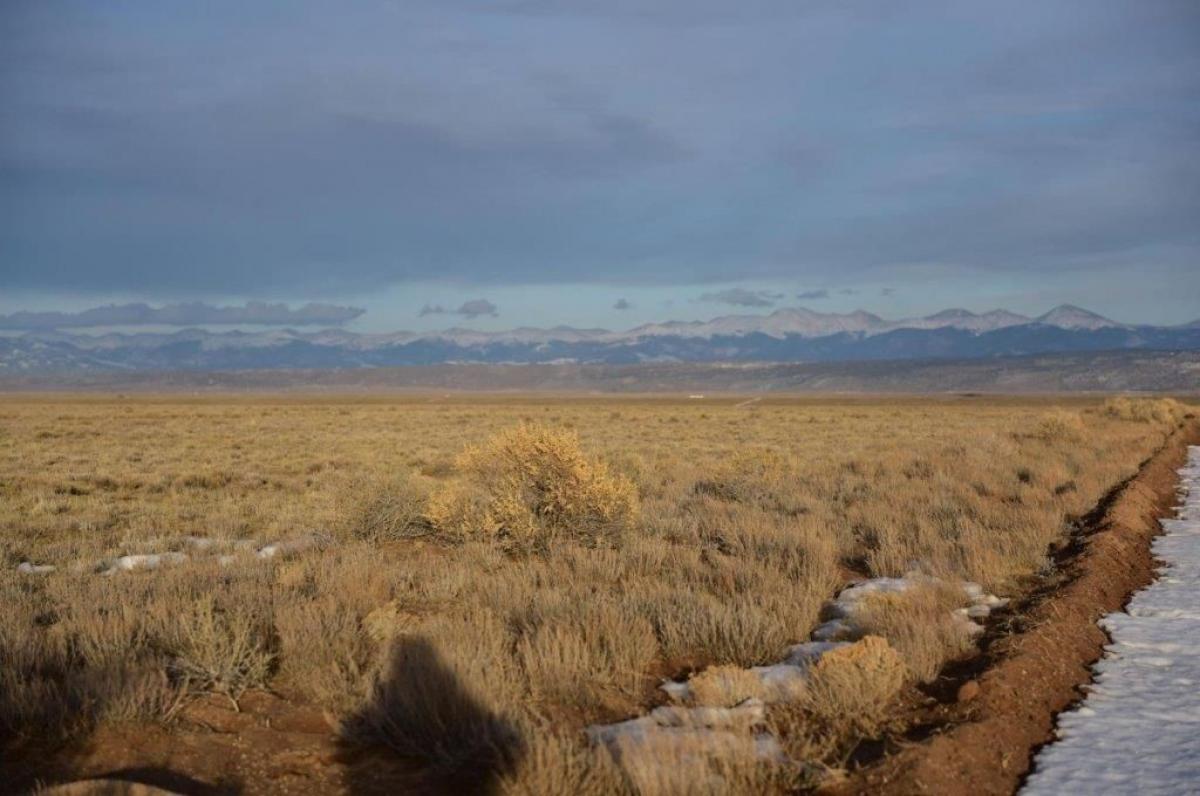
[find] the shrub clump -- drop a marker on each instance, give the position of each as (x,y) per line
(920,625)
(388,508)
(1060,426)
(219,650)
(529,485)
(1144,410)
(850,693)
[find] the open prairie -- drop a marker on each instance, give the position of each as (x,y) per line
(277,594)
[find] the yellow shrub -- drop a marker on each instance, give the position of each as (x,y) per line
(1144,410)
(458,511)
(530,484)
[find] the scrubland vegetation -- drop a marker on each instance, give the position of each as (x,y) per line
(493,575)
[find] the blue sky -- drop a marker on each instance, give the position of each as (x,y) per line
(555,158)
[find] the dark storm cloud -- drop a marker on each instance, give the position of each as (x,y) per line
(186,314)
(740,297)
(332,150)
(469,309)
(813,295)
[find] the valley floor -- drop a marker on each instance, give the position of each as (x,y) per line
(353,595)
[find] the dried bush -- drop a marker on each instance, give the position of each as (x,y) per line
(1144,410)
(382,509)
(217,649)
(851,691)
(531,485)
(920,625)
(724,686)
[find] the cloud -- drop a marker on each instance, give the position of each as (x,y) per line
(192,313)
(622,304)
(887,291)
(469,309)
(740,297)
(1020,154)
(813,295)
(848,291)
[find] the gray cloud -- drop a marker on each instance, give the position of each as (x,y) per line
(469,309)
(155,153)
(622,304)
(740,297)
(193,313)
(813,295)
(887,291)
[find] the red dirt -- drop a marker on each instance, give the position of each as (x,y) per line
(1036,658)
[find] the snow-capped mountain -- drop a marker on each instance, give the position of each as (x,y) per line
(1068,316)
(786,335)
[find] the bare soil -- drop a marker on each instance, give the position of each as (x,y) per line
(980,739)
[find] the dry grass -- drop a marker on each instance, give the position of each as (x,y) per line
(919,624)
(850,693)
(545,560)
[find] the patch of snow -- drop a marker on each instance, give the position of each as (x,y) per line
(673,733)
(841,612)
(297,544)
(806,654)
(30,568)
(782,682)
(1138,730)
(143,561)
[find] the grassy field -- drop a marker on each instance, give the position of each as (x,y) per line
(476,579)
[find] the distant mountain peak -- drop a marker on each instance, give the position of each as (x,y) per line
(951,314)
(1069,316)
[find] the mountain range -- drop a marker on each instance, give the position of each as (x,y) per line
(786,335)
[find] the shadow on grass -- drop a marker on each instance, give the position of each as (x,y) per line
(423,731)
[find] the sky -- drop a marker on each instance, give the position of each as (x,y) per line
(605,163)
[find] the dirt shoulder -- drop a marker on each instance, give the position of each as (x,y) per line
(1035,659)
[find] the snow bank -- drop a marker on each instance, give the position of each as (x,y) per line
(1138,730)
